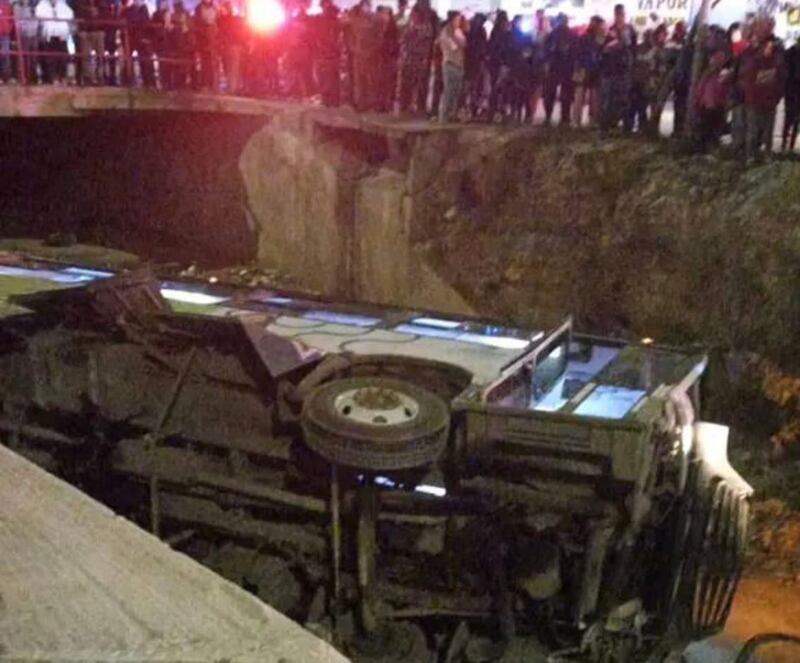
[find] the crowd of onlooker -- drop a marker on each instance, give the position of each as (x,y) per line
(411,61)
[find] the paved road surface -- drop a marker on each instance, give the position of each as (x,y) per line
(78,583)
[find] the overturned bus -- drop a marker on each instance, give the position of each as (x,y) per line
(403,481)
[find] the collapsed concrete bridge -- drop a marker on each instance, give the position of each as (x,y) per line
(325,193)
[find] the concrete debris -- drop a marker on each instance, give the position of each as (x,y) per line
(482,649)
(458,643)
(266,576)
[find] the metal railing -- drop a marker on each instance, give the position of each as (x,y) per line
(130,55)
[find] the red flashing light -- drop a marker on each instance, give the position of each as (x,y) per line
(265,15)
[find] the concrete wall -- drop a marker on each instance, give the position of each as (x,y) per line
(342,208)
(301,196)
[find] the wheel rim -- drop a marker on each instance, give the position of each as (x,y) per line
(375,423)
(377,406)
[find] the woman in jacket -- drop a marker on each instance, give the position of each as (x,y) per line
(453,43)
(416,53)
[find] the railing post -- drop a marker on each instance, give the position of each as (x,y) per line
(21,71)
(127,60)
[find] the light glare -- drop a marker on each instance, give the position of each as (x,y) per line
(503,342)
(189,297)
(436,491)
(265,15)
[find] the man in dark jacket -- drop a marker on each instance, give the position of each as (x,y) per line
(616,68)
(328,37)
(365,43)
(475,71)
(763,77)
(500,55)
(206,34)
(792,98)
(92,18)
(232,41)
(681,45)
(386,77)
(560,53)
(299,58)
(137,17)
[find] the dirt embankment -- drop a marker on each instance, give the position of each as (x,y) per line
(532,225)
(630,239)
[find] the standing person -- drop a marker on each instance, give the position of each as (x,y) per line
(206,35)
(737,39)
(684,55)
(387,61)
(538,66)
(92,16)
(161,27)
(680,34)
(639,79)
(616,68)
(453,44)
(180,47)
(740,43)
(95,15)
(521,77)
(560,59)
(658,70)
(54,17)
(711,99)
(475,64)
(436,68)
(416,50)
(791,118)
(500,50)
(587,71)
(764,77)
(137,18)
(366,46)
(27,29)
(232,38)
(328,36)
(111,41)
(6,31)
(300,53)
(541,27)
(402,17)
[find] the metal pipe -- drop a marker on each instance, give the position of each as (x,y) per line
(21,73)
(336,537)
(368,507)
